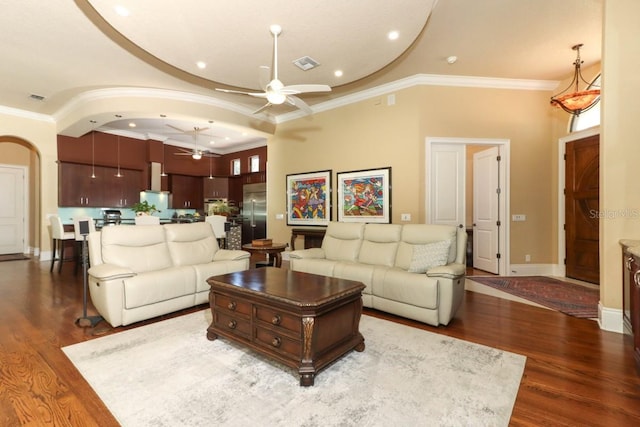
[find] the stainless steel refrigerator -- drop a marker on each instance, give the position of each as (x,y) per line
(254,212)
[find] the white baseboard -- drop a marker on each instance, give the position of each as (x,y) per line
(610,319)
(45,255)
(536,270)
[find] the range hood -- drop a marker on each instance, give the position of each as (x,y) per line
(156,178)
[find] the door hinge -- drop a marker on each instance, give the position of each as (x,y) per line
(498,223)
(565,261)
(498,255)
(564,156)
(498,190)
(498,158)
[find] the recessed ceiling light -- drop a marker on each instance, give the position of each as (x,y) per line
(132,125)
(122,11)
(393,35)
(337,73)
(201,64)
(452,59)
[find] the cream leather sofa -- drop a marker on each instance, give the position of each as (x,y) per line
(414,270)
(143,271)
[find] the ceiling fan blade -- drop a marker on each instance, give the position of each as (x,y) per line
(275,30)
(299,103)
(177,128)
(264,76)
(295,89)
(254,94)
(264,107)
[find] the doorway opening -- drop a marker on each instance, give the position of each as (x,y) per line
(445,184)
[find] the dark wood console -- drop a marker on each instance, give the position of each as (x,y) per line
(631,297)
(312,237)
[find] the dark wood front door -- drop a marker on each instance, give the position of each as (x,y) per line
(582,211)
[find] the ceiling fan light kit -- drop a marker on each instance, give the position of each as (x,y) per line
(577,101)
(275,92)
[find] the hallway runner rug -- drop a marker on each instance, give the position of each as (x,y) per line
(569,298)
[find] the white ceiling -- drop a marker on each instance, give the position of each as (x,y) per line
(65,50)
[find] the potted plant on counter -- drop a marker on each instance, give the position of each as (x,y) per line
(144,208)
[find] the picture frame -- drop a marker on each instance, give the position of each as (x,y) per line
(309,198)
(364,196)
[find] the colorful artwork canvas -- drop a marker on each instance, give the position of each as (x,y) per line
(364,196)
(309,198)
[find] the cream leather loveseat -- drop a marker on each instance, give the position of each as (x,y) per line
(415,270)
(143,271)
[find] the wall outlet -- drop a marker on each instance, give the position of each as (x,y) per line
(520,217)
(527,258)
(391,99)
(280,216)
(405,217)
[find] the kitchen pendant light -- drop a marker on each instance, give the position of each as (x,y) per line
(210,176)
(119,175)
(577,101)
(93,153)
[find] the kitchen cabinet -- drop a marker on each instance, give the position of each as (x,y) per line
(186,192)
(254,178)
(77,188)
(631,297)
(123,191)
(216,188)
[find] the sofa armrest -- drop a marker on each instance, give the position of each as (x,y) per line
(104,272)
(311,253)
(450,271)
(230,255)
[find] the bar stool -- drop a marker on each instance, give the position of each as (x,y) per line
(217,224)
(58,237)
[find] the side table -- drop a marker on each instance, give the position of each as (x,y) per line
(273,251)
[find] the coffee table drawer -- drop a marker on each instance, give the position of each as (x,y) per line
(230,303)
(232,325)
(276,342)
(279,319)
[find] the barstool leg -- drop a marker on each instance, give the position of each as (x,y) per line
(61,256)
(53,255)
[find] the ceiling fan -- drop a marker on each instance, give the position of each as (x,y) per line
(275,92)
(196,153)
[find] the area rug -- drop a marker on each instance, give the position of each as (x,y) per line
(169,374)
(569,298)
(13,257)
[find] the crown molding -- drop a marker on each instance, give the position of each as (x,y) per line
(100,94)
(425,80)
(26,114)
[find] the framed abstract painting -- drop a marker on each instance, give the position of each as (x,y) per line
(365,196)
(309,198)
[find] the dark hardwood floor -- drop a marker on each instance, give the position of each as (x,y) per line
(575,375)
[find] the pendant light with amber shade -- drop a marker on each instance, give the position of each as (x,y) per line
(576,101)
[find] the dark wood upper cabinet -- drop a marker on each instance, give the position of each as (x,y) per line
(79,189)
(186,192)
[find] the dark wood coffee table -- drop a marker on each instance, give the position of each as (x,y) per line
(302,320)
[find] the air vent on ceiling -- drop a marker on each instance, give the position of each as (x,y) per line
(306,63)
(36,97)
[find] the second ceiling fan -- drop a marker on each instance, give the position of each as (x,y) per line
(275,92)
(196,153)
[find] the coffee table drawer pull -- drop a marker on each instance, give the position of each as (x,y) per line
(232,324)
(232,305)
(276,342)
(276,320)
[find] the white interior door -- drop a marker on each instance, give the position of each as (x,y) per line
(486,213)
(447,180)
(12,212)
